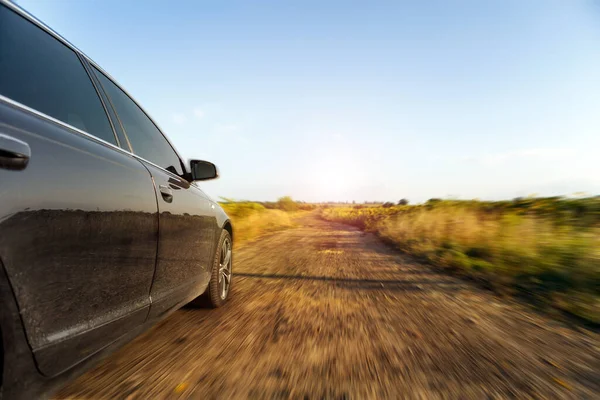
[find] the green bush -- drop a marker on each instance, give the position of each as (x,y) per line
(479,251)
(481,265)
(459,260)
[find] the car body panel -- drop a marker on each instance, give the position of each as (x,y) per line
(90,253)
(186,246)
(77,259)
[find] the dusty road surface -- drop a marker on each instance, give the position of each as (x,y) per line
(325,311)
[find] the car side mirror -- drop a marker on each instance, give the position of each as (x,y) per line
(203,170)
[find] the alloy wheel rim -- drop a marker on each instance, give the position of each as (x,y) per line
(225,269)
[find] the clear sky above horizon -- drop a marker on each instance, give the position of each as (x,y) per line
(343,100)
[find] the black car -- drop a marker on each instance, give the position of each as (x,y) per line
(103,228)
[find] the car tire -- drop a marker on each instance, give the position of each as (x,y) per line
(216,295)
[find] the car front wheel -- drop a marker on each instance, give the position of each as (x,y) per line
(220,280)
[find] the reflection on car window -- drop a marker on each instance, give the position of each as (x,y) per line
(42,73)
(145,138)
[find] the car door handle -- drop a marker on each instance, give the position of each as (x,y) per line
(166,193)
(14,153)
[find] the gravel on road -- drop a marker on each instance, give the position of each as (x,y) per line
(325,311)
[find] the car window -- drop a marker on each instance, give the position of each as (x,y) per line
(40,72)
(145,138)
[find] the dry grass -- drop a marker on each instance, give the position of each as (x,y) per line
(548,260)
(251,220)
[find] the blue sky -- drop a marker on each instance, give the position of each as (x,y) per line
(343,100)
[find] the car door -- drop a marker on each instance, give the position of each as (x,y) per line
(187,220)
(78,222)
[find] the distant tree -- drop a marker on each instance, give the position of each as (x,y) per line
(403,202)
(388,204)
(353,202)
(287,204)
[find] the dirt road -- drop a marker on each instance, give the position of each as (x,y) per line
(326,311)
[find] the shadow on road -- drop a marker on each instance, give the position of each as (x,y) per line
(393,284)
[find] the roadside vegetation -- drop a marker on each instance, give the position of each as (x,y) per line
(546,250)
(252,219)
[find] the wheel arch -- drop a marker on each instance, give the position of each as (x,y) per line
(229,228)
